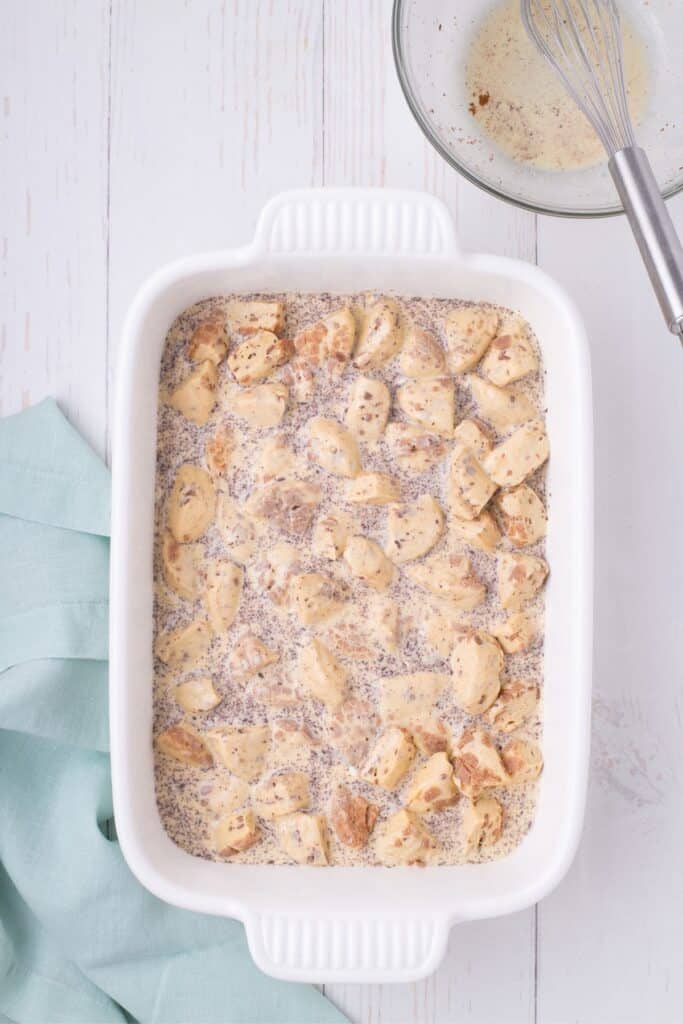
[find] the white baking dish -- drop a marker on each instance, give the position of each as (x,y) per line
(354,924)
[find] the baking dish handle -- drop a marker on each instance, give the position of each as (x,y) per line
(347,947)
(388,222)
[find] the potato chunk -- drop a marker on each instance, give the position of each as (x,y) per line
(422,355)
(470,434)
(468,487)
(520,577)
(281,563)
(191,503)
(315,598)
(523,515)
(329,342)
(282,793)
(209,341)
(432,787)
(241,749)
(257,356)
(238,531)
(222,595)
(449,577)
(195,397)
(482,823)
(352,817)
(262,406)
(235,833)
(181,564)
(249,656)
(330,536)
(429,403)
(218,452)
(469,332)
(412,531)
(184,744)
(333,447)
(351,728)
(275,462)
(373,489)
(185,645)
(476,763)
(523,761)
(298,377)
(381,336)
(303,837)
(196,695)
(438,627)
(477,663)
(405,840)
(252,317)
(367,562)
(516,634)
(519,456)
(322,674)
(480,533)
(502,407)
(511,355)
(410,698)
(415,449)
(430,736)
(368,409)
(390,758)
(516,702)
(287,504)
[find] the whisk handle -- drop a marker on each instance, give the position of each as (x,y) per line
(659,244)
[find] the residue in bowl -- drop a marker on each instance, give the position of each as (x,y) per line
(520,104)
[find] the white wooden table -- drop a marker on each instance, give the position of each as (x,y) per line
(137,131)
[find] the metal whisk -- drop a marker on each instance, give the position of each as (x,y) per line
(582,41)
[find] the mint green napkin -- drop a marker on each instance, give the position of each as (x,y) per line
(80,939)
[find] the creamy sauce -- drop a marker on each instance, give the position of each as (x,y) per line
(190,801)
(524,108)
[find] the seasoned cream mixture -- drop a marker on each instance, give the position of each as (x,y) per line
(524,108)
(349,567)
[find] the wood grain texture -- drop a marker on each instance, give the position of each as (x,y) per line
(137,131)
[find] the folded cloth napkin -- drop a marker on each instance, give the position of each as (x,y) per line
(80,939)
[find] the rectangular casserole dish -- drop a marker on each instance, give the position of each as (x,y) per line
(354,924)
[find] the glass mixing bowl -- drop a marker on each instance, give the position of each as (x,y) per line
(431,40)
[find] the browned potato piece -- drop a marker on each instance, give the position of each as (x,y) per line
(333,447)
(289,504)
(235,833)
(471,434)
(415,449)
(523,761)
(405,699)
(208,341)
(328,343)
(298,377)
(520,577)
(183,743)
(315,598)
(373,489)
(352,817)
(430,736)
(240,749)
(518,456)
(368,409)
(195,397)
(477,663)
(182,566)
(523,515)
(516,702)
(381,336)
(252,317)
(449,577)
(330,536)
(261,406)
(429,404)
(367,562)
(482,823)
(502,407)
(469,331)
(197,694)
(390,758)
(480,533)
(322,674)
(185,645)
(477,764)
(257,356)
(223,591)
(218,451)
(517,633)
(405,840)
(432,787)
(413,530)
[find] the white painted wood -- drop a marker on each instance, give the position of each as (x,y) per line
(53,214)
(141,130)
